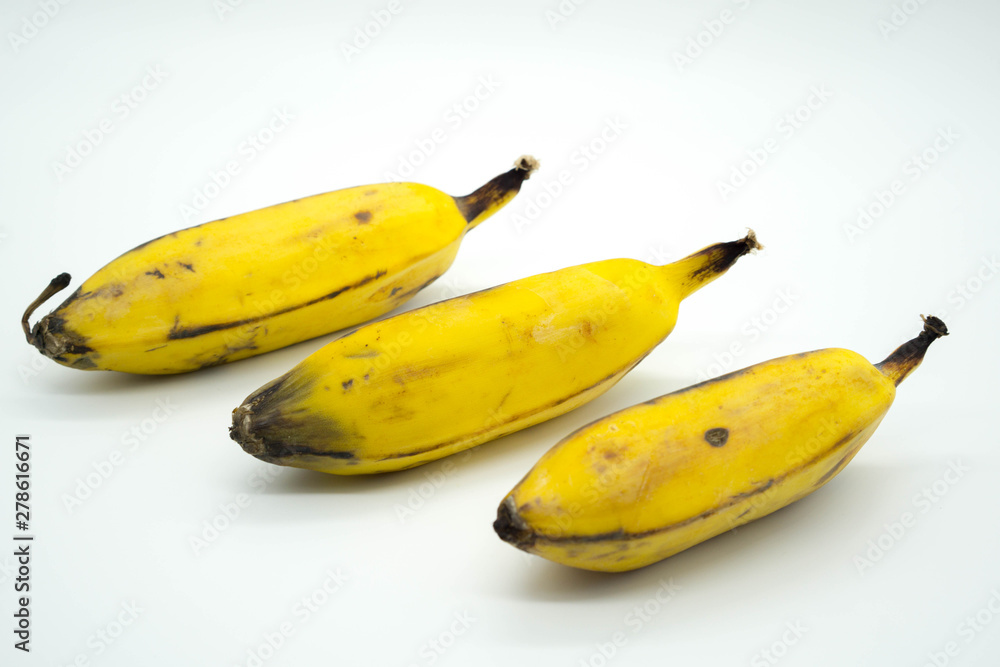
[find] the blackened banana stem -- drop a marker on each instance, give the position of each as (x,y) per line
(56,285)
(908,356)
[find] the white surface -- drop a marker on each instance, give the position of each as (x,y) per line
(652,195)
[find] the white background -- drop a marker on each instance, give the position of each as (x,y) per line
(887,91)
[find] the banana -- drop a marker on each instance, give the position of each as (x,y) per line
(654,479)
(255,282)
(440,379)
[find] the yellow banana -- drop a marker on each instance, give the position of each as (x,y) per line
(262,280)
(446,377)
(654,479)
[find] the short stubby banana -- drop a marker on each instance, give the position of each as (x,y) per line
(262,280)
(654,479)
(440,379)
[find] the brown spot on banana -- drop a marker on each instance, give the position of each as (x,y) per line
(717,437)
(363,217)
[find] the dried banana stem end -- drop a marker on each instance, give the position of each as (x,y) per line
(495,194)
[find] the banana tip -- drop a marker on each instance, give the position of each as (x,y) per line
(527,163)
(242,431)
(934,326)
(751,242)
(61,281)
(511,527)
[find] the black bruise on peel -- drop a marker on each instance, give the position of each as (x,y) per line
(179,333)
(155,272)
(189,267)
(363,217)
(717,437)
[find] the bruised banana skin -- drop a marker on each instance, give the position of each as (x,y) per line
(441,379)
(654,479)
(255,282)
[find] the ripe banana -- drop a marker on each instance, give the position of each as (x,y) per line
(446,377)
(654,479)
(262,280)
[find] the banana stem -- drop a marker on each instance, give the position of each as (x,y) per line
(55,285)
(697,270)
(908,356)
(490,198)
